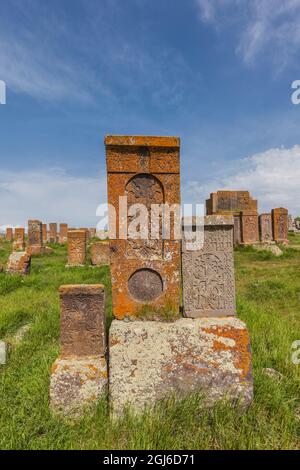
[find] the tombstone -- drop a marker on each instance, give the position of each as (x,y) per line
(249,225)
(35,237)
(19,262)
(63,233)
(265,228)
(145,272)
(231,203)
(92,233)
(19,239)
(100,253)
(292,225)
(44,233)
(9,234)
(53,233)
(79,375)
(76,247)
(208,270)
(87,232)
(280,225)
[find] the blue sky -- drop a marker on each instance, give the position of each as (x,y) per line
(217,73)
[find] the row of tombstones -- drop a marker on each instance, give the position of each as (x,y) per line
(251,228)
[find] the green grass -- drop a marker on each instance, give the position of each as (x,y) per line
(268,299)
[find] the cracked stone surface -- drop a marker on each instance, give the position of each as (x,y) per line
(153,360)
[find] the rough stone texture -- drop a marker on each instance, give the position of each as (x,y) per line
(153,360)
(79,375)
(53,233)
(19,263)
(208,272)
(232,203)
(77,383)
(9,234)
(35,237)
(249,225)
(268,247)
(19,239)
(63,233)
(147,171)
(76,247)
(265,228)
(100,253)
(280,225)
(44,233)
(92,232)
(82,320)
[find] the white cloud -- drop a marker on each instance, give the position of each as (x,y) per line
(265,28)
(272,177)
(50,195)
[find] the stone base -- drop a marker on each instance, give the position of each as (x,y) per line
(77,383)
(154,360)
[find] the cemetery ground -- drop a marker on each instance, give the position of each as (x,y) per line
(268,299)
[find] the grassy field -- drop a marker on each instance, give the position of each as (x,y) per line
(268,299)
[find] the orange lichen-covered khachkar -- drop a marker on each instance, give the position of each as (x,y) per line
(145,272)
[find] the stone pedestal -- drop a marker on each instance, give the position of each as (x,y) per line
(100,253)
(150,361)
(19,262)
(79,375)
(76,248)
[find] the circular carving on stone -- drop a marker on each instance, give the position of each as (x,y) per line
(145,285)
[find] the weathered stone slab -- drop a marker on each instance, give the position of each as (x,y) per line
(208,272)
(53,233)
(63,233)
(249,224)
(145,272)
(100,253)
(76,247)
(77,383)
(79,375)
(9,234)
(230,202)
(265,228)
(280,225)
(19,262)
(237,231)
(82,320)
(35,237)
(150,361)
(92,233)
(19,239)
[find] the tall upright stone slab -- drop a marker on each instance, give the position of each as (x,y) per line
(79,375)
(145,273)
(63,233)
(249,224)
(280,225)
(9,234)
(265,228)
(19,239)
(76,248)
(53,233)
(208,270)
(44,233)
(100,253)
(35,237)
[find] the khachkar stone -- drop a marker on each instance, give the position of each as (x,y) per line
(19,239)
(228,202)
(79,375)
(44,233)
(76,247)
(9,234)
(145,273)
(63,233)
(19,263)
(265,228)
(100,253)
(35,237)
(249,225)
(208,269)
(53,233)
(280,225)
(150,361)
